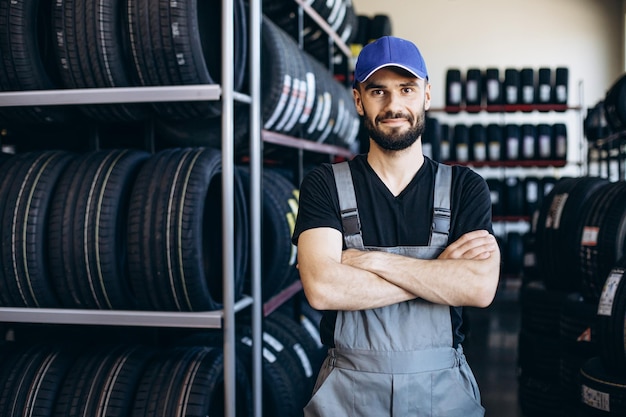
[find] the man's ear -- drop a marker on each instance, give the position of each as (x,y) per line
(358,103)
(426,95)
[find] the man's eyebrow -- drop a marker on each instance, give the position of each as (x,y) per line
(375,86)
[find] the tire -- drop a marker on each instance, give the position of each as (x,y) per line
(540,309)
(614,105)
(601,393)
(595,124)
(87,230)
(29,182)
(601,238)
(174,232)
(611,313)
(300,343)
(92,52)
(279,397)
(189,382)
(538,398)
(102,382)
(25,60)
(189,54)
(280,206)
(560,214)
(35,379)
(578,336)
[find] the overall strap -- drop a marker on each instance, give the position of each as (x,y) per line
(350,213)
(441,207)
(347,205)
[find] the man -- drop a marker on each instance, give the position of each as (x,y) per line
(390,272)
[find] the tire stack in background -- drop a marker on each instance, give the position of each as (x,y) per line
(571,344)
(509,143)
(92,220)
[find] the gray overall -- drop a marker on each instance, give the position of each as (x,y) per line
(396,360)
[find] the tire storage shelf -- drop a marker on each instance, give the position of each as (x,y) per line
(219,319)
(224,318)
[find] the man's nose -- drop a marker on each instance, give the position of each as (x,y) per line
(394,103)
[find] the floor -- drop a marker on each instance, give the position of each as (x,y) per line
(491,350)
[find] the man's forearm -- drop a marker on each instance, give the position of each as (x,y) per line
(344,287)
(455,282)
(465,274)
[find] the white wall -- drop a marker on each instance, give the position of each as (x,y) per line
(587,36)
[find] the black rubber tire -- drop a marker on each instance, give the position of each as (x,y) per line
(611,317)
(595,124)
(380,26)
(278,67)
(102,381)
(538,398)
(188,55)
(28,183)
(579,342)
(87,230)
(540,309)
(188,382)
(34,380)
(26,62)
(279,398)
(300,343)
(601,394)
(92,52)
(539,356)
(560,214)
(280,206)
(601,238)
(325,114)
(174,232)
(615,105)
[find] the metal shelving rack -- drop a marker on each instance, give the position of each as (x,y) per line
(220,319)
(225,318)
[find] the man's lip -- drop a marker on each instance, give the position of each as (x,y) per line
(394,121)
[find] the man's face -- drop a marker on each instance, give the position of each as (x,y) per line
(393,104)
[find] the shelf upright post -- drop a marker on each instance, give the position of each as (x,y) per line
(228,222)
(256,174)
(581,126)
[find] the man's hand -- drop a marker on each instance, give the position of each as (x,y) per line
(476,245)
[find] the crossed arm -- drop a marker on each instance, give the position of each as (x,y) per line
(465,274)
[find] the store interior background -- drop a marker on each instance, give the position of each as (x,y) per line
(587,37)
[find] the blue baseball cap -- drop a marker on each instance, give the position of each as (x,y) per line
(389,51)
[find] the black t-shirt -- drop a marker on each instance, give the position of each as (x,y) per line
(387,220)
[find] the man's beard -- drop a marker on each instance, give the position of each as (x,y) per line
(394,141)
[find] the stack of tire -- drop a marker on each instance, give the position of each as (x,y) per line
(494,142)
(101,44)
(580,238)
(180,374)
(99,230)
(338,14)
